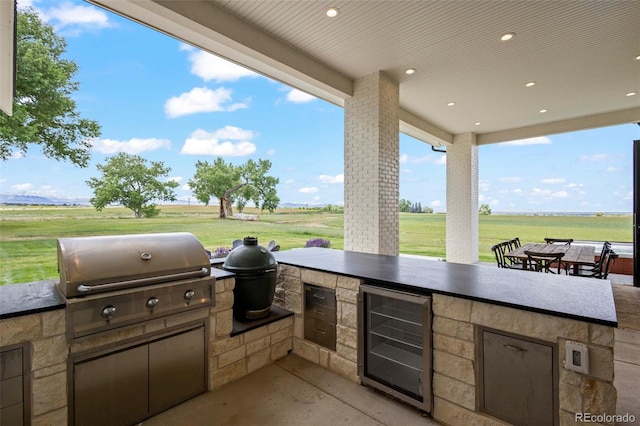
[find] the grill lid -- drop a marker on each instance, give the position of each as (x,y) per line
(104,263)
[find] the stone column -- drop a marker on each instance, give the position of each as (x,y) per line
(462,199)
(371,166)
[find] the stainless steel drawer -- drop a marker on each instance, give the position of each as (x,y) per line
(320,332)
(320,296)
(322,313)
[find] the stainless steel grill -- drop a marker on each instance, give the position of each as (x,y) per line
(113,281)
(157,287)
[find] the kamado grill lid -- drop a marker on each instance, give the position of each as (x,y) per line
(249,257)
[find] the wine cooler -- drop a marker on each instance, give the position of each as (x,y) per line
(394,350)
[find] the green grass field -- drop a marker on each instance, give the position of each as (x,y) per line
(28,234)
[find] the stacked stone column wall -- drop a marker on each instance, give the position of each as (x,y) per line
(231,358)
(455,367)
(45,334)
(290,291)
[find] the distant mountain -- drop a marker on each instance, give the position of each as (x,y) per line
(41,201)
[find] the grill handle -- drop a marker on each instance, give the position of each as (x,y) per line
(142,281)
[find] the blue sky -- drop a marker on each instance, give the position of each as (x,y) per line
(166,101)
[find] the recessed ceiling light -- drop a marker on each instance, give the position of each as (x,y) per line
(531,83)
(638,58)
(332,12)
(451,104)
(507,36)
(632,93)
(477,123)
(410,71)
(542,111)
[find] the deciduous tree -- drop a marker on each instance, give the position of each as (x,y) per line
(484,209)
(227,182)
(128,180)
(43,111)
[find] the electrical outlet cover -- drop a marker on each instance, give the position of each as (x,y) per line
(577,357)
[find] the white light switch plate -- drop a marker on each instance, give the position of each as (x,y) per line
(577,357)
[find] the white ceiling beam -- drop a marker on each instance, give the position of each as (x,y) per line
(631,115)
(423,130)
(211,28)
(7,55)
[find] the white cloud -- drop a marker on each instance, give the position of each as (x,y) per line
(202,142)
(232,132)
(612,169)
(16,155)
(22,186)
(132,146)
(404,158)
(299,97)
(71,19)
(436,203)
(211,67)
(541,140)
(289,181)
(177,179)
(271,152)
(332,179)
(575,185)
(595,157)
(507,179)
(441,161)
(518,191)
(540,192)
(308,190)
(560,194)
(201,99)
(553,181)
(186,187)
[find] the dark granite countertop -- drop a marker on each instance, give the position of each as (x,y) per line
(584,299)
(30,298)
(41,296)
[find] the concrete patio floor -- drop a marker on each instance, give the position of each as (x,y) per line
(295,392)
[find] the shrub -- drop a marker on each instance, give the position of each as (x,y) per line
(220,252)
(318,242)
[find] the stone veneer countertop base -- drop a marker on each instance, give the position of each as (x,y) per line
(584,299)
(41,296)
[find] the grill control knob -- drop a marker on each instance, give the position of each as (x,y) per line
(152,302)
(108,311)
(188,295)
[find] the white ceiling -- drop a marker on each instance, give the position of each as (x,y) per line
(581,54)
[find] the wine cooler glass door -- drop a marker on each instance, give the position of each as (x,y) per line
(397,344)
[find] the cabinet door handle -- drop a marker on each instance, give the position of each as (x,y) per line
(318,312)
(318,297)
(514,348)
(320,331)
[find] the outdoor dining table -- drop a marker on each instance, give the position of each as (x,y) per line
(574,256)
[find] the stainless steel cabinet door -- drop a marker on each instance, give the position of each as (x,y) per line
(113,389)
(176,369)
(518,383)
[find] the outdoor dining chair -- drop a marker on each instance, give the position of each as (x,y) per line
(565,241)
(549,263)
(595,267)
(603,268)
